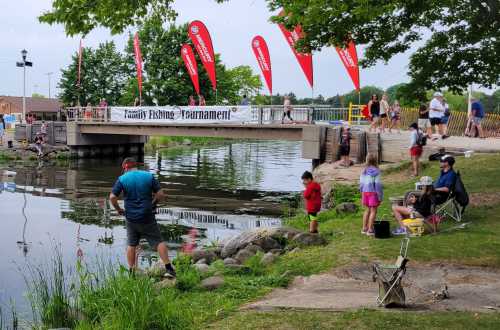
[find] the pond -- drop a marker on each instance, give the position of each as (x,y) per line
(218,190)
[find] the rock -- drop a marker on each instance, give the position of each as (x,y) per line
(208,255)
(239,242)
(284,233)
(202,268)
(243,255)
(295,250)
(166,283)
(230,261)
(268,259)
(187,142)
(347,208)
(307,239)
(267,243)
(212,283)
(254,248)
(276,251)
(157,270)
(236,267)
(202,261)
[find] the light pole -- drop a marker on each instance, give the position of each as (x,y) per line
(49,74)
(23,65)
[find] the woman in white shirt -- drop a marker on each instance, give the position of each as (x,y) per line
(436,113)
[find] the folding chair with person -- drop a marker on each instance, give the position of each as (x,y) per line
(455,203)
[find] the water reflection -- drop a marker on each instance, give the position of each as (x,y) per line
(212,193)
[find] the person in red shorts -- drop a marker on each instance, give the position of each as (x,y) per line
(312,196)
(417,142)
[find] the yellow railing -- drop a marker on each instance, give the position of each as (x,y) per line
(355,112)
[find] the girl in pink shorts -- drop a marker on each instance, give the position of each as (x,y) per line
(372,193)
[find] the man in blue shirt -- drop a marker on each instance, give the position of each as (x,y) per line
(141,193)
(446,181)
(477,113)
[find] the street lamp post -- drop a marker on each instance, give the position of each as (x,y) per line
(49,74)
(23,65)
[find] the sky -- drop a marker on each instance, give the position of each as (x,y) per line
(232,26)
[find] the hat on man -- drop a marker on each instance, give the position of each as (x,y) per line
(426,181)
(437,94)
(448,159)
(413,125)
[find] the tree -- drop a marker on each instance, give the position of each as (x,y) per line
(462,43)
(166,81)
(103,75)
(38,95)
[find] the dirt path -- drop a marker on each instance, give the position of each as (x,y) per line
(470,289)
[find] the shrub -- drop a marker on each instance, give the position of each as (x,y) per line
(188,277)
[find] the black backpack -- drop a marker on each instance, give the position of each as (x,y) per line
(461,195)
(421,139)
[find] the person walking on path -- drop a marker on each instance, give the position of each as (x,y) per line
(287,109)
(436,113)
(477,112)
(312,196)
(423,120)
(141,192)
(372,193)
(445,119)
(395,117)
(385,110)
(417,142)
(374,109)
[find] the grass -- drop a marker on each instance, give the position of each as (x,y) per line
(111,299)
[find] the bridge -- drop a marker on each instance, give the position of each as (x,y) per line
(93,131)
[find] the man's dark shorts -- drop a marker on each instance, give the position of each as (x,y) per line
(148,231)
(436,121)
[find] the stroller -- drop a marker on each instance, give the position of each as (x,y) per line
(389,277)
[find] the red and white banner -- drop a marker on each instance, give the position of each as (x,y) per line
(138,64)
(191,66)
(261,52)
(202,41)
(80,54)
(349,57)
(305,59)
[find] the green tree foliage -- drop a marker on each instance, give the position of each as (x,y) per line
(166,81)
(460,39)
(103,75)
(38,95)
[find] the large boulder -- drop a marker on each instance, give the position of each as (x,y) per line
(230,261)
(243,255)
(202,268)
(166,283)
(267,243)
(307,239)
(283,233)
(240,241)
(208,255)
(212,283)
(254,248)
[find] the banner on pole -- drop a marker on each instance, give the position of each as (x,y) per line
(188,115)
(191,66)
(349,58)
(80,54)
(138,63)
(305,59)
(202,41)
(261,52)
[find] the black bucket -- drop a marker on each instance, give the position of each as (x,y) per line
(9,144)
(382,229)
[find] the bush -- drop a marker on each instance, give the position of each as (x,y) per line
(254,264)
(188,277)
(345,194)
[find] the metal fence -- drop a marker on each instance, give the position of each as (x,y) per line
(265,114)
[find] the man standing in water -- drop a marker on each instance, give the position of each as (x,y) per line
(141,191)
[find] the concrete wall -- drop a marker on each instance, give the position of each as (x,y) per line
(56,132)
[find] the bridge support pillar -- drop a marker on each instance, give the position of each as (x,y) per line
(314,144)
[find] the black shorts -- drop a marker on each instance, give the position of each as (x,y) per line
(384,115)
(149,231)
(435,121)
(345,150)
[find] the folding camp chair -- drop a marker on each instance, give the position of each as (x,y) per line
(452,207)
(389,277)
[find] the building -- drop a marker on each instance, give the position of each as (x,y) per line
(41,108)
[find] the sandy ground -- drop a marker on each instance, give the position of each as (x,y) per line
(470,289)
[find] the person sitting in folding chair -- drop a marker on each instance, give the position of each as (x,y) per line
(417,205)
(450,196)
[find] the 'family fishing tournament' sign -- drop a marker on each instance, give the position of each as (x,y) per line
(191,115)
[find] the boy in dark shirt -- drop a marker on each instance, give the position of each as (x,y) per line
(312,196)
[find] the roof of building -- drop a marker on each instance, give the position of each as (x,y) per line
(33,104)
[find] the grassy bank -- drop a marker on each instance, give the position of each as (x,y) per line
(117,301)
